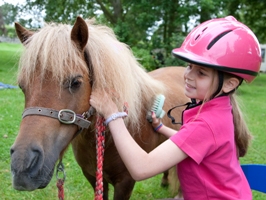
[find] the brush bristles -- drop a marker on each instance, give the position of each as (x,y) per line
(157,108)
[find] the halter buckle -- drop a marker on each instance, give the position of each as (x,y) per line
(71,115)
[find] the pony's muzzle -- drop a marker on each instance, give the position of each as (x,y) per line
(25,166)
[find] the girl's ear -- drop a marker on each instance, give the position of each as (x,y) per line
(230,84)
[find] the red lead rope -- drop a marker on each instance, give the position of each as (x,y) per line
(60,181)
(60,186)
(100,139)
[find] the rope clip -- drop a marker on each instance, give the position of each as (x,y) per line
(60,169)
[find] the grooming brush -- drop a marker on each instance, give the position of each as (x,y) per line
(157,108)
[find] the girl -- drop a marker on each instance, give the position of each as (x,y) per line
(221,54)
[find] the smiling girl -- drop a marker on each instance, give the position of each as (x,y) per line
(221,54)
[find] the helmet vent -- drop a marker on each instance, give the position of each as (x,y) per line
(202,32)
(217,38)
(204,29)
(197,37)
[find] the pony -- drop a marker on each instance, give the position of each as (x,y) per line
(58,69)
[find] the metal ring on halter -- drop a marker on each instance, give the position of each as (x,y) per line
(73,114)
(60,168)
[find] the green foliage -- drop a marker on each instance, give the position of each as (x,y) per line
(11,32)
(61,11)
(9,13)
(144,58)
(253,15)
(157,24)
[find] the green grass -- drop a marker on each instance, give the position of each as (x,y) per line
(253,99)
(8,62)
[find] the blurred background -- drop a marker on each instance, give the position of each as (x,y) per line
(152,28)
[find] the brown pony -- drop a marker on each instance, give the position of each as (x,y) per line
(59,68)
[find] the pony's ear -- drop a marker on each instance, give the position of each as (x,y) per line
(80,33)
(23,33)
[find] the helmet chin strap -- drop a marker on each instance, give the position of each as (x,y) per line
(220,85)
(194,102)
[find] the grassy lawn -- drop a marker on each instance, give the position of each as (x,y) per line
(253,98)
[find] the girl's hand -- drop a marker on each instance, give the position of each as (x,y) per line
(103,103)
(155,121)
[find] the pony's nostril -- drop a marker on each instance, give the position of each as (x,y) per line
(33,159)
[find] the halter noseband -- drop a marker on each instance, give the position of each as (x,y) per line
(65,116)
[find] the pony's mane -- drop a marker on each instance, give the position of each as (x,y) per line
(115,68)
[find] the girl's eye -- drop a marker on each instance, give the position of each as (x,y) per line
(201,73)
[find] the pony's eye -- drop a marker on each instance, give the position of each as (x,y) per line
(75,84)
(21,87)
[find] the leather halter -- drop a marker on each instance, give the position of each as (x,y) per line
(65,116)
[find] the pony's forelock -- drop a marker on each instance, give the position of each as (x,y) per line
(50,52)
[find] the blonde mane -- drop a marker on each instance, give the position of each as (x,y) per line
(114,66)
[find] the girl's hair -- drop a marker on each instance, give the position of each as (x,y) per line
(242,134)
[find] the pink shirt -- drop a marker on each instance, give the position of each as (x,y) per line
(212,170)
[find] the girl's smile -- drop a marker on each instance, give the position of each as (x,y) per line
(189,87)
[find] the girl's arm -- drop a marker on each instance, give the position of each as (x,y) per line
(139,163)
(160,128)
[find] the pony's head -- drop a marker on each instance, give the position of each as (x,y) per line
(58,69)
(53,74)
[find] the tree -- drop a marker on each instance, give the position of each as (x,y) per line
(153,24)
(253,14)
(8,14)
(2,23)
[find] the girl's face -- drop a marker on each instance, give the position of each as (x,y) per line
(200,82)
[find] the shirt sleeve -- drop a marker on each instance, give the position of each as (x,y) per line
(196,139)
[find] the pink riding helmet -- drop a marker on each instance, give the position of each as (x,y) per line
(224,44)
